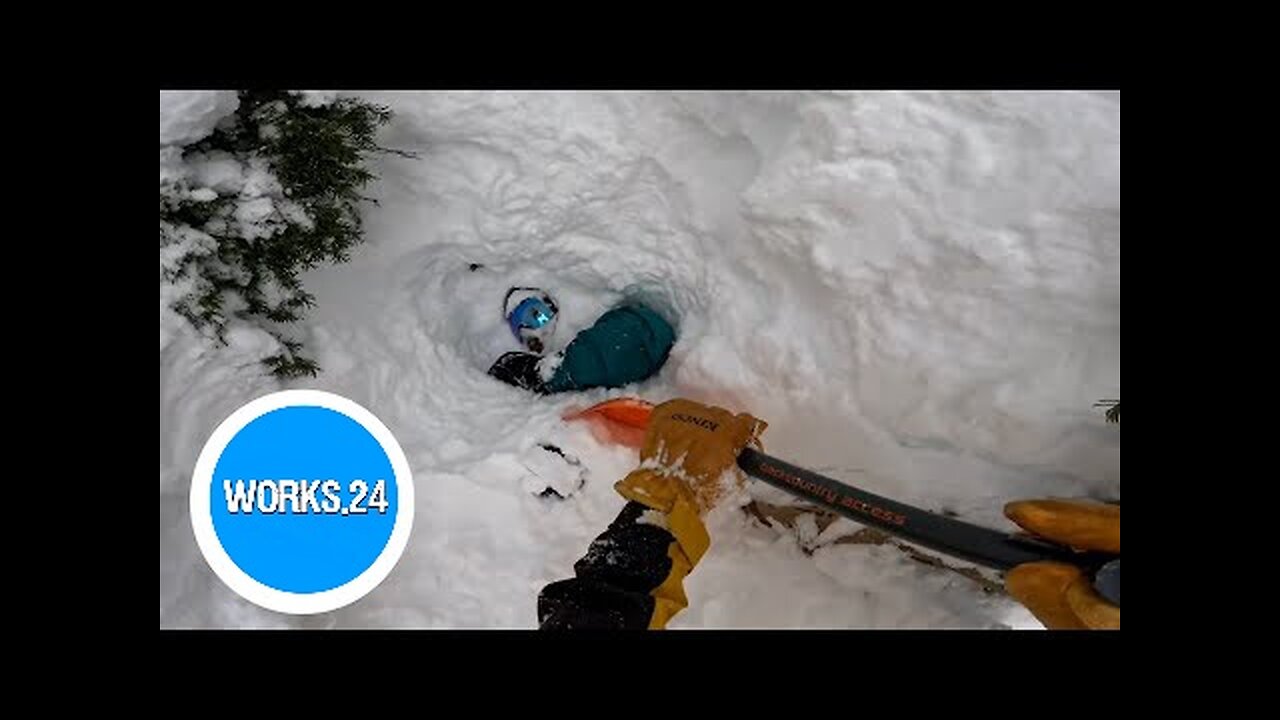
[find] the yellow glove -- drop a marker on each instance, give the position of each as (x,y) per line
(687,450)
(687,464)
(1059,594)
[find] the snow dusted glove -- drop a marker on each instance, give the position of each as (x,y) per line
(687,464)
(1058,594)
(519,369)
(690,453)
(613,584)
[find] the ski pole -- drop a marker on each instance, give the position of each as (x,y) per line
(977,544)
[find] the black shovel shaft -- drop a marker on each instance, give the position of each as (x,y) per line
(984,546)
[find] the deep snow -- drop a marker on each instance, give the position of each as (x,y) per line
(919,291)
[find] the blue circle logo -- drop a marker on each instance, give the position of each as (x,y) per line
(302,501)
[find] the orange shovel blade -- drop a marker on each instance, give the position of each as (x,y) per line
(621,421)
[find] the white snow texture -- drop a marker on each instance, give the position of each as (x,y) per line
(188,116)
(920,292)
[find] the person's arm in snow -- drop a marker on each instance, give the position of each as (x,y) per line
(632,576)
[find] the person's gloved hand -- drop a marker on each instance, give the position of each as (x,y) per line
(1060,595)
(688,462)
(687,450)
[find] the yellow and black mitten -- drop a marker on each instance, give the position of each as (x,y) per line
(1060,595)
(633,574)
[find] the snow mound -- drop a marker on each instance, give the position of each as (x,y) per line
(188,116)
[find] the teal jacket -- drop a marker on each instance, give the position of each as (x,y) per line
(626,345)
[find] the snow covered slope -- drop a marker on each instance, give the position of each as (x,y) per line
(920,292)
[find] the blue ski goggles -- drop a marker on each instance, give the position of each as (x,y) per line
(531,314)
